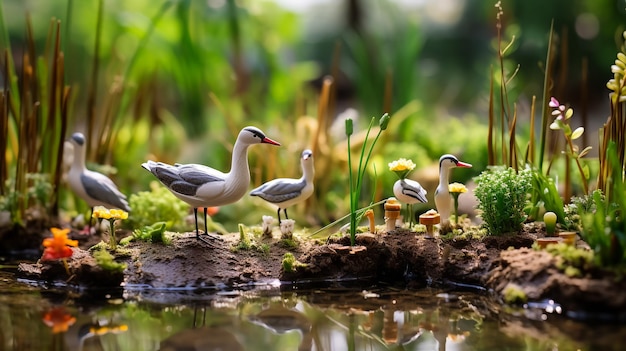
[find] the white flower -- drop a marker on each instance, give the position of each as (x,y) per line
(287,226)
(267,224)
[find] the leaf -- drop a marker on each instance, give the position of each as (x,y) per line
(569,113)
(585,151)
(578,133)
(555,126)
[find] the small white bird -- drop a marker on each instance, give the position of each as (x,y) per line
(94,188)
(202,186)
(285,192)
(409,192)
(443,200)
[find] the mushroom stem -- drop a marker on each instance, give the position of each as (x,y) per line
(370,216)
(429,219)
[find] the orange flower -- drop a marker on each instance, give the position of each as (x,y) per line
(58,319)
(57,246)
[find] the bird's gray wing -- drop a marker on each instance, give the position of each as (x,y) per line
(182,179)
(279,190)
(104,192)
(416,193)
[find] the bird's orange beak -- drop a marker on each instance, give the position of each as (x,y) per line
(267,140)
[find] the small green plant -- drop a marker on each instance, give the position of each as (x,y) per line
(244,240)
(356,182)
(154,233)
(502,196)
(107,261)
(544,196)
(605,228)
(514,294)
(290,264)
(579,206)
(157,205)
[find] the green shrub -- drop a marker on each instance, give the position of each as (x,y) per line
(157,205)
(502,195)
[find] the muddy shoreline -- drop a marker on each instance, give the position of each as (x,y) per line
(399,258)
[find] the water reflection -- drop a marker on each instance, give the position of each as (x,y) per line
(271,319)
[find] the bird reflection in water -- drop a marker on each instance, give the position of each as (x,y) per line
(203,337)
(280,320)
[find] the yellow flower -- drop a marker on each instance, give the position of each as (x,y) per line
(101,212)
(401,167)
(118,214)
(457,188)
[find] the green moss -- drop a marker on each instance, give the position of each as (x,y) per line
(571,260)
(107,261)
(513,294)
(264,249)
(289,244)
(290,264)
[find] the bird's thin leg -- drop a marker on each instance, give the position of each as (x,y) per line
(410,214)
(278,213)
(195,216)
(285,210)
(206,230)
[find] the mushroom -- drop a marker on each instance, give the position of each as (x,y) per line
(392,212)
(370,216)
(429,219)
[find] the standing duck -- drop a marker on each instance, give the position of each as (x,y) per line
(443,200)
(202,186)
(94,188)
(285,192)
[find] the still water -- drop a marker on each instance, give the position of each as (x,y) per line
(274,317)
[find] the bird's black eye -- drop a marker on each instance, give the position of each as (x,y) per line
(256,133)
(78,138)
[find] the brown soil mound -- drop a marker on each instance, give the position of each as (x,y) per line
(396,257)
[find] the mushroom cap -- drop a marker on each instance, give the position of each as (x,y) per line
(430,217)
(392,204)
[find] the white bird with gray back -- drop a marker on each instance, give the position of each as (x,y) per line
(443,200)
(203,186)
(409,192)
(94,188)
(285,192)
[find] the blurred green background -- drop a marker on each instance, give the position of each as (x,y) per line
(175,81)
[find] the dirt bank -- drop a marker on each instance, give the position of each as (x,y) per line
(398,257)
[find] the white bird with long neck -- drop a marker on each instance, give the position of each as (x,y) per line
(285,192)
(443,200)
(202,186)
(94,188)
